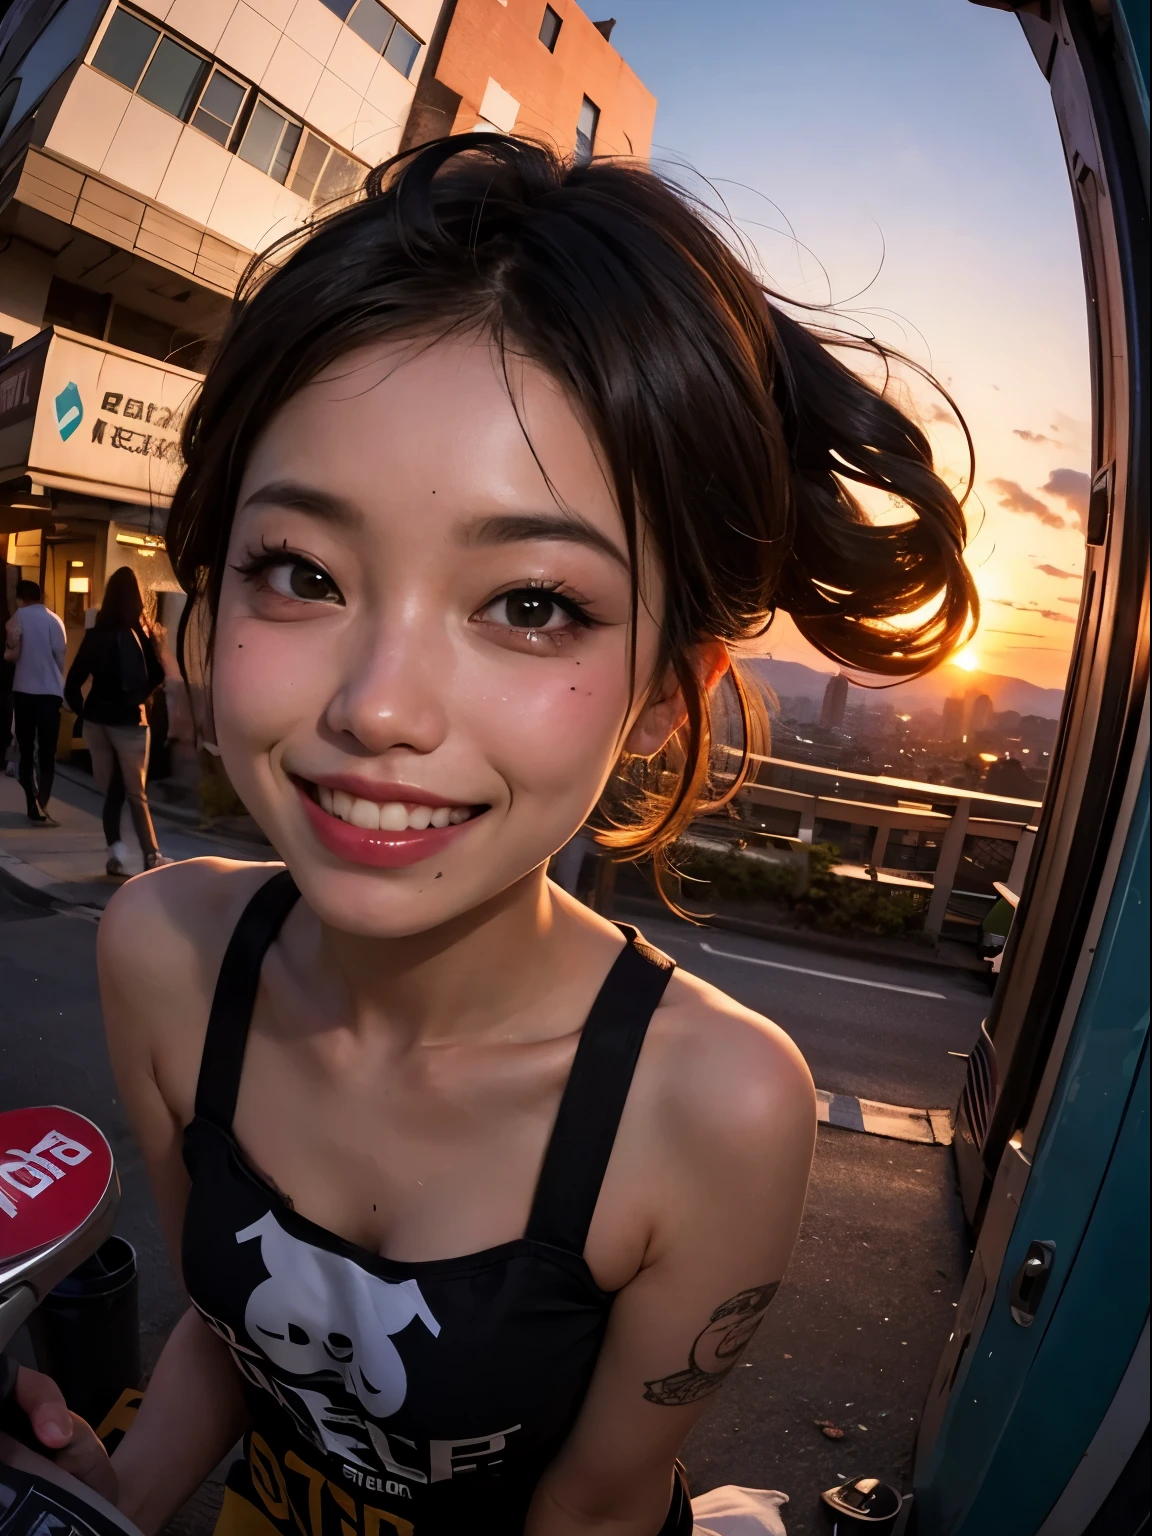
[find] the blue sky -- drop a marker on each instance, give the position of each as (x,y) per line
(914,136)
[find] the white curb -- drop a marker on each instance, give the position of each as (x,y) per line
(932,1127)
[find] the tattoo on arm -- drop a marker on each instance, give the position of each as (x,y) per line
(716,1349)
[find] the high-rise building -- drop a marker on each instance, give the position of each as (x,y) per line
(980,714)
(835,700)
(542,70)
(952,719)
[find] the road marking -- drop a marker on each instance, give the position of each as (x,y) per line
(802,970)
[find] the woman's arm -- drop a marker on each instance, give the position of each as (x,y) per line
(150,946)
(740,1148)
(192,1414)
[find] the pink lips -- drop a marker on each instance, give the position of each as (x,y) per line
(378,850)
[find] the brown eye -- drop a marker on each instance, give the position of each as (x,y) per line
(528,609)
(303,581)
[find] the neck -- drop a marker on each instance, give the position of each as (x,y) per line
(483,973)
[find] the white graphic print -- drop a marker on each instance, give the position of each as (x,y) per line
(319,1312)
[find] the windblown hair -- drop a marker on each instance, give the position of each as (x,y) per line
(123,606)
(730,431)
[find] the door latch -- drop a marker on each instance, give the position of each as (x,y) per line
(1030,1282)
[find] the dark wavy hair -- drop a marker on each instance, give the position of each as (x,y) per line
(728,427)
(122,606)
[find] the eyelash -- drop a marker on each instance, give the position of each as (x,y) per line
(256,565)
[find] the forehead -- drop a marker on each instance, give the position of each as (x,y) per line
(404,419)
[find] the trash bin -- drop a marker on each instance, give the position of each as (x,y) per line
(86,1333)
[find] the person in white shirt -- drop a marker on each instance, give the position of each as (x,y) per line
(35,639)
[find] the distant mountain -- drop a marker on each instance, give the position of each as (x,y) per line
(793,680)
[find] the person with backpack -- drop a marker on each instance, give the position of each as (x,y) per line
(119,655)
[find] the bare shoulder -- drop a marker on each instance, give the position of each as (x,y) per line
(730,1083)
(163,922)
(159,949)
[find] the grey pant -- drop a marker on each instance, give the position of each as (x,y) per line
(125,746)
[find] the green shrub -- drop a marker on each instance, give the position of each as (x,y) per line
(834,903)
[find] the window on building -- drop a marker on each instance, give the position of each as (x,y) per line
(219,106)
(384,34)
(270,141)
(173,78)
(339,7)
(322,172)
(127,45)
(586,130)
(402,50)
(195,89)
(550,29)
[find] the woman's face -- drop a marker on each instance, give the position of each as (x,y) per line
(421,674)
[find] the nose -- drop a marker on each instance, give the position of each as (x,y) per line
(396,675)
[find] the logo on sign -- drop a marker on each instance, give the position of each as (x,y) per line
(69,410)
(31,1173)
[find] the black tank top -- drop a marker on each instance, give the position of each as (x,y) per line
(425,1398)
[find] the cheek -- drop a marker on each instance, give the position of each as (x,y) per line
(554,728)
(266,678)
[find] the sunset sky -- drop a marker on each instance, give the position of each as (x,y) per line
(915,137)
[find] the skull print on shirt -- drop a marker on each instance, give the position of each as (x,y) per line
(319,1314)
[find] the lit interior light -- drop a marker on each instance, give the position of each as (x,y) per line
(77,583)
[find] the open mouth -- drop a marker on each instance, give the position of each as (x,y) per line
(407,826)
(389,815)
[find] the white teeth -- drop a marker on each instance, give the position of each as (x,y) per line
(391,816)
(366,814)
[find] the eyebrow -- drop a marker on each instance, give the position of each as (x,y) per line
(520,527)
(309,499)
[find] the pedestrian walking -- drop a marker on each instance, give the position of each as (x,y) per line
(119,655)
(35,640)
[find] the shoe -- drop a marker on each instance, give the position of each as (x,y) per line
(114,868)
(43,820)
(156,861)
(10,770)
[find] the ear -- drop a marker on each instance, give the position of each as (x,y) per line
(665,712)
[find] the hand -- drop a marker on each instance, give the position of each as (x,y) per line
(72,1442)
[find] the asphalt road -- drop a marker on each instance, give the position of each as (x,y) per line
(878,1029)
(855,1331)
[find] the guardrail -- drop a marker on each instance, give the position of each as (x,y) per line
(796,796)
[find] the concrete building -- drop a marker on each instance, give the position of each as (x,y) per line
(980,714)
(835,701)
(147,151)
(542,70)
(952,719)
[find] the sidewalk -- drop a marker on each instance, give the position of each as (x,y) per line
(64,866)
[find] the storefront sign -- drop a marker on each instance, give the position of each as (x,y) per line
(104,422)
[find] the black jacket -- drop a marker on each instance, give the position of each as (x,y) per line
(125,671)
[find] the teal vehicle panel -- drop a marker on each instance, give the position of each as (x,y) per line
(1027,1401)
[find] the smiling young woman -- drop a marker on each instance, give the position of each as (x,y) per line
(477,1199)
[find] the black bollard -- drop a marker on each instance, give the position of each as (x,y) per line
(86,1333)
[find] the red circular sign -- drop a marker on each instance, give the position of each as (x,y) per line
(54,1169)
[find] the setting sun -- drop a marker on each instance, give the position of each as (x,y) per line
(966,659)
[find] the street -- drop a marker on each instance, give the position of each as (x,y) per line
(876,1029)
(856,1329)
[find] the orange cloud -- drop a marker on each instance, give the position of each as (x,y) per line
(1017,499)
(1072,486)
